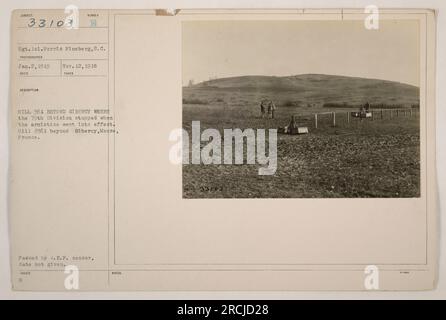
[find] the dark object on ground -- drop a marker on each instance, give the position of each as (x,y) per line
(293,128)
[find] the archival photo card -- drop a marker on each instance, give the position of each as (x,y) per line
(223,150)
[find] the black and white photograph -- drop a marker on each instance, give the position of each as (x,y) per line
(341,100)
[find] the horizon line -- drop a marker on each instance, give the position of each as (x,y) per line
(301,74)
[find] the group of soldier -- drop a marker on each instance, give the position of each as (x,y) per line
(267,108)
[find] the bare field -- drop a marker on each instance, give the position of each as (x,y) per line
(378,158)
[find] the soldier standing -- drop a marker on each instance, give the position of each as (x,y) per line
(271,109)
(262,109)
(367,106)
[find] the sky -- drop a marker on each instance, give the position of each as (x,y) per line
(217,49)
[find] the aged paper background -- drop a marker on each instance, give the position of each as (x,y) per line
(126,23)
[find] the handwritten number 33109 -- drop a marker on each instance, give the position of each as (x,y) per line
(44,23)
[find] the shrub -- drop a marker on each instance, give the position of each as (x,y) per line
(291,103)
(193,101)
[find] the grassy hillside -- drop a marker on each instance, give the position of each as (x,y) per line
(301,90)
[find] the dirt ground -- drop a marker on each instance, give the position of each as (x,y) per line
(379,158)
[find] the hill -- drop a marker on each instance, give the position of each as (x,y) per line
(302,89)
